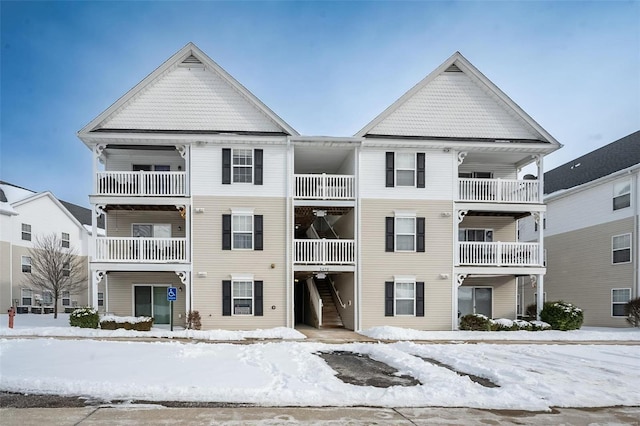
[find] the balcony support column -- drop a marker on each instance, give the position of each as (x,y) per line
(185,152)
(539,295)
(185,279)
(96,277)
(540,164)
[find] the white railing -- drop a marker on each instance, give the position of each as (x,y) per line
(498,190)
(130,249)
(499,254)
(324,187)
(141,183)
(316,301)
(325,252)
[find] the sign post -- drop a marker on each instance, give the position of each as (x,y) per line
(172,295)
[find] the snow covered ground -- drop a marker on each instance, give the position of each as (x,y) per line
(531,377)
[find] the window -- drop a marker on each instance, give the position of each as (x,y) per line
(405,169)
(242,230)
(242,295)
(621,195)
(66,269)
(66,298)
(153,230)
(475,175)
(26,232)
(619,299)
(404,297)
(405,233)
(47,298)
(100,299)
(242,165)
(621,248)
(65,240)
(26,295)
(26,264)
(478,235)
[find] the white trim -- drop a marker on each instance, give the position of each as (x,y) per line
(404,278)
(405,213)
(242,277)
(242,211)
(619,303)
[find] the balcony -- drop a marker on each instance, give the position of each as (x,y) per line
(324,187)
(141,250)
(324,252)
(141,184)
(499,191)
(499,254)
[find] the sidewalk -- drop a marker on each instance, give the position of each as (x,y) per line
(153,414)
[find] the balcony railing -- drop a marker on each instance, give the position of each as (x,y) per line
(142,184)
(325,252)
(141,250)
(498,190)
(499,254)
(324,187)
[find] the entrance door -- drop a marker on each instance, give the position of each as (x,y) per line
(151,301)
(475,300)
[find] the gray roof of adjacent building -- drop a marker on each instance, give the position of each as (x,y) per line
(616,156)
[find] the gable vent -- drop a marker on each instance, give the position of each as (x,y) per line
(192,60)
(453,68)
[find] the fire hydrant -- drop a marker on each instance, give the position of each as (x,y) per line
(12,313)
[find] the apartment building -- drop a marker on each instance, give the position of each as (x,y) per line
(411,222)
(591,233)
(24,216)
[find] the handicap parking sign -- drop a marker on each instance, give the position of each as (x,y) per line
(172,294)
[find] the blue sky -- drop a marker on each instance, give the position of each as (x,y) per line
(326,68)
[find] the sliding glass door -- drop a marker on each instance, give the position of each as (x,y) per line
(151,301)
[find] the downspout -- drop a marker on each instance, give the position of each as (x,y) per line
(288,225)
(358,279)
(636,269)
(11,274)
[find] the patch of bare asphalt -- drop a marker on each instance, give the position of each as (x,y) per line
(361,370)
(480,380)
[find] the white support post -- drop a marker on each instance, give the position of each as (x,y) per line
(541,239)
(540,164)
(96,277)
(540,295)
(187,230)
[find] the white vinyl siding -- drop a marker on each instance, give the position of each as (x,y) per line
(619,299)
(621,248)
(405,298)
(242,297)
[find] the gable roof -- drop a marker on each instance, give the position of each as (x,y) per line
(457,101)
(189,93)
(616,156)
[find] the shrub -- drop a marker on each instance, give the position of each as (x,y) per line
(562,315)
(531,311)
(539,325)
(504,324)
(193,320)
(84,318)
(633,312)
(128,323)
(475,322)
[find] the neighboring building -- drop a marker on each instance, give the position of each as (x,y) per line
(24,215)
(409,223)
(591,233)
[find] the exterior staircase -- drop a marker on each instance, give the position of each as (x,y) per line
(330,316)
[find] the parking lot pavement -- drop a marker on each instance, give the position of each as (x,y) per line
(156,414)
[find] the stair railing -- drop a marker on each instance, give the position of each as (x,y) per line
(316,301)
(336,292)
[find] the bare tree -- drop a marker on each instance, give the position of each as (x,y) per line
(55,269)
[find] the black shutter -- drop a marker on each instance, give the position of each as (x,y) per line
(226,298)
(389,234)
(257,298)
(257,232)
(257,167)
(389,169)
(420,225)
(388,299)
(226,165)
(421,169)
(420,299)
(226,232)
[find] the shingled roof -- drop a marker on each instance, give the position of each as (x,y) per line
(83,214)
(604,161)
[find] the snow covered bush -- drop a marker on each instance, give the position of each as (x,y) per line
(539,325)
(633,312)
(84,318)
(531,312)
(475,322)
(193,320)
(112,322)
(562,315)
(504,324)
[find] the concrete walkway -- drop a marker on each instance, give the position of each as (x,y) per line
(158,415)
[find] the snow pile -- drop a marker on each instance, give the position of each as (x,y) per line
(585,334)
(122,320)
(46,326)
(531,377)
